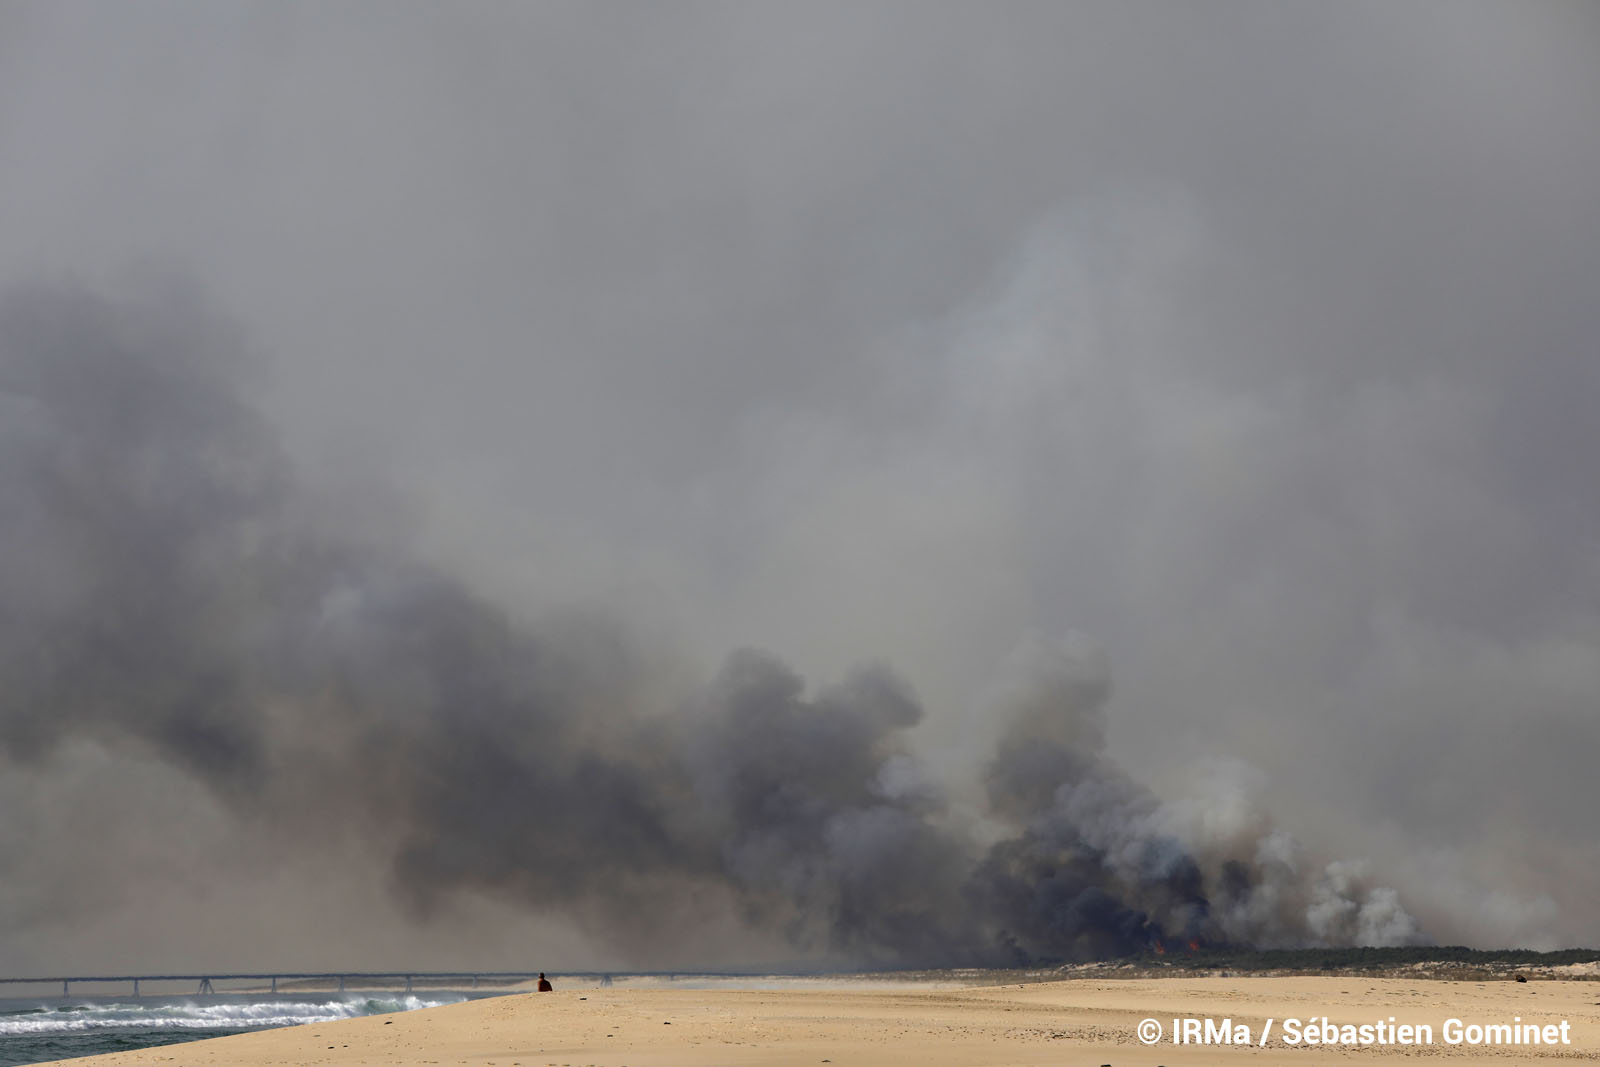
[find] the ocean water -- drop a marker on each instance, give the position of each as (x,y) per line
(51,1028)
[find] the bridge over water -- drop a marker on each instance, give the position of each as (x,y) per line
(356,980)
(345,979)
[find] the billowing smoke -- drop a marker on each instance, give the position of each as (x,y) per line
(1102,867)
(168,585)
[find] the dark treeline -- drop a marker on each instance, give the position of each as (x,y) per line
(1367,958)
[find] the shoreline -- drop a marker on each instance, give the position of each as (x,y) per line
(1078,1020)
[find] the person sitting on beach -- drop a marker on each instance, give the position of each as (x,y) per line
(544,983)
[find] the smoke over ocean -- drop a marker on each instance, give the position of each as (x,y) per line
(169,586)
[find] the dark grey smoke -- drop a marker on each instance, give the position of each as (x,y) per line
(1102,867)
(168,587)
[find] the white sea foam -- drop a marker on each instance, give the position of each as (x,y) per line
(210,1015)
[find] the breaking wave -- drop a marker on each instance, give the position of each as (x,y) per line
(192,1015)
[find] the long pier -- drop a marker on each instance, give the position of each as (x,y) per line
(352,979)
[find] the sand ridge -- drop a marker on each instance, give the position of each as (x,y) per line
(1061,1022)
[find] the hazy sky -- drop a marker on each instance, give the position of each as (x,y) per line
(1258,343)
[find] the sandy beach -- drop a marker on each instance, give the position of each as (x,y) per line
(1082,1021)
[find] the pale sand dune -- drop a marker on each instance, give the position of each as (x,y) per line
(1065,1023)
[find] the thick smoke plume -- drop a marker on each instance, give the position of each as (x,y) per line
(167,585)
